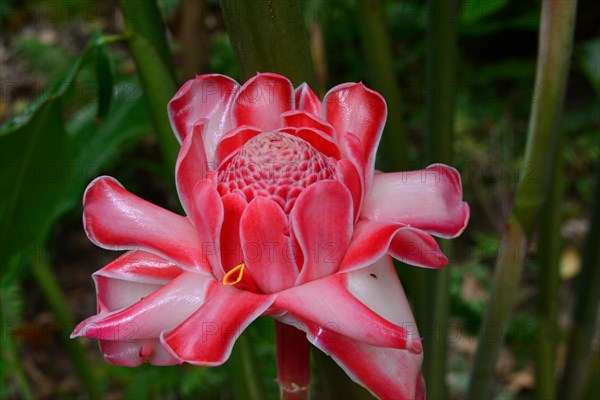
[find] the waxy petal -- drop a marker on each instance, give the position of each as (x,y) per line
(322,221)
(269,254)
(372,240)
(207,217)
(262,100)
(387,373)
(233,141)
(329,304)
(115,219)
(192,165)
(133,353)
(231,248)
(207,96)
(134,275)
(349,176)
(429,199)
(207,336)
(351,107)
(303,119)
(161,310)
(307,100)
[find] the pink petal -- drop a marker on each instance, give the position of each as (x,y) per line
(319,141)
(329,303)
(429,199)
(115,219)
(207,217)
(206,96)
(351,107)
(303,119)
(268,250)
(386,372)
(347,174)
(307,100)
(134,275)
(372,240)
(262,100)
(232,141)
(231,248)
(322,222)
(161,310)
(192,164)
(207,336)
(134,353)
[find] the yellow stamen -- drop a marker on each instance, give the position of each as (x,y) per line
(234,275)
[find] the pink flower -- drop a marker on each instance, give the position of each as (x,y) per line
(285,217)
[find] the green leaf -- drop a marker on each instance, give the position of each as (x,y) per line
(105,79)
(589,59)
(475,10)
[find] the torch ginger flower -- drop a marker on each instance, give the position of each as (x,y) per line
(285,217)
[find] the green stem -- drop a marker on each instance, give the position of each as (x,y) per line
(333,381)
(441,98)
(150,51)
(242,364)
(549,284)
(380,64)
(554,54)
(585,322)
(47,283)
(269,36)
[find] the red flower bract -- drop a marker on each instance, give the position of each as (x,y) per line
(285,217)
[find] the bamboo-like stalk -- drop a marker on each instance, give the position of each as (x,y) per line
(57,302)
(554,55)
(441,98)
(380,66)
(585,321)
(293,362)
(549,283)
(242,367)
(151,54)
(269,36)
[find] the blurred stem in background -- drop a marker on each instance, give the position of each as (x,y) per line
(549,250)
(243,371)
(46,281)
(393,150)
(269,37)
(585,321)
(440,105)
(554,55)
(152,56)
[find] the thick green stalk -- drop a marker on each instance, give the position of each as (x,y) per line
(379,61)
(585,322)
(441,98)
(242,367)
(150,51)
(554,54)
(269,36)
(549,283)
(46,281)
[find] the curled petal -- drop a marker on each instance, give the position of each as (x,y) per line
(372,240)
(161,310)
(262,100)
(349,176)
(429,199)
(351,107)
(115,219)
(130,277)
(268,250)
(307,100)
(133,353)
(207,217)
(322,222)
(192,164)
(207,96)
(232,141)
(207,336)
(329,304)
(303,119)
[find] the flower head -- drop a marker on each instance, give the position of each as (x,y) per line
(285,216)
